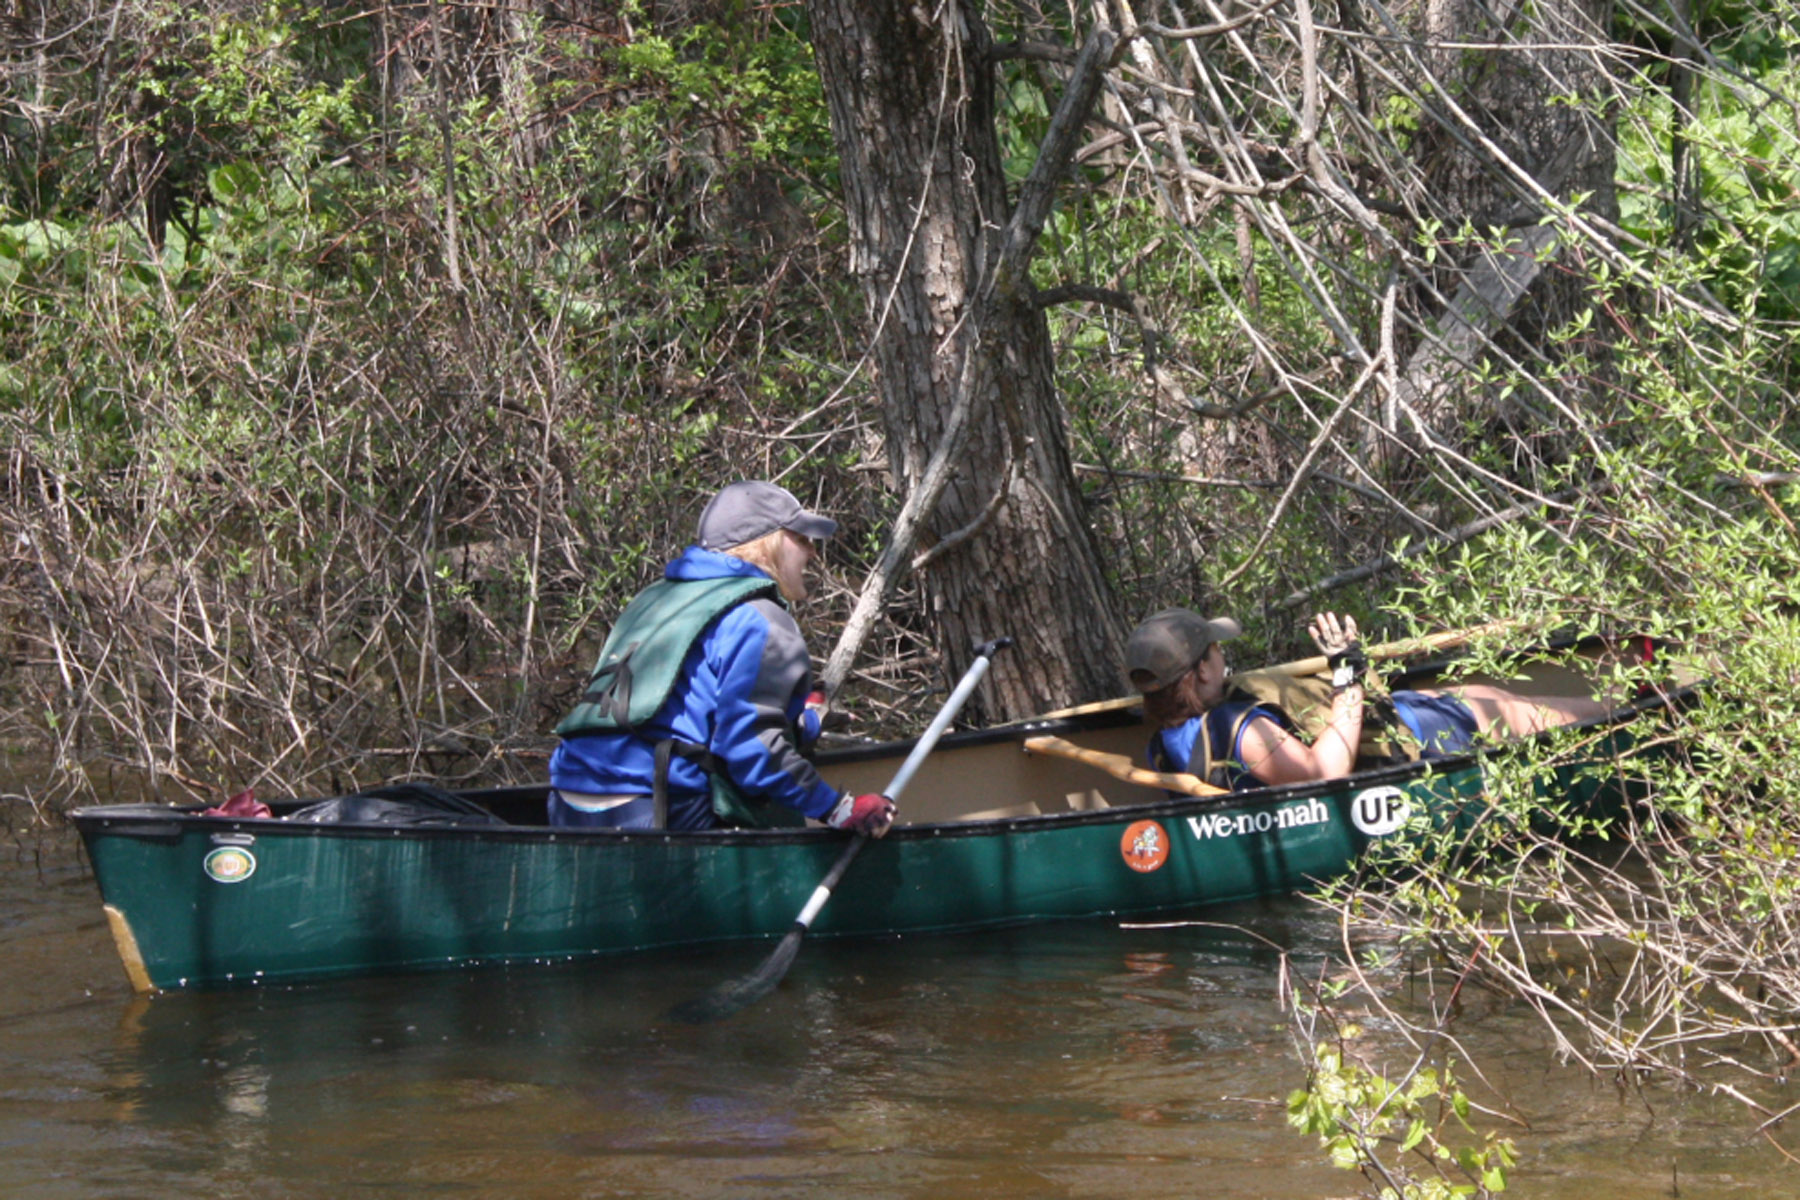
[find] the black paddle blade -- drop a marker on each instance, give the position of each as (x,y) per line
(735,995)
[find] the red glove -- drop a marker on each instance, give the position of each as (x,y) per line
(871,814)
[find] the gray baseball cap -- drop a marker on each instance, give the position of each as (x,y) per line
(748,509)
(1168,643)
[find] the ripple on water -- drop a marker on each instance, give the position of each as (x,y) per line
(1077,1060)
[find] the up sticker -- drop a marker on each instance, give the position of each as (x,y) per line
(1379,811)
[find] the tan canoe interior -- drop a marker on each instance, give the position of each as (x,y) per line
(1001,779)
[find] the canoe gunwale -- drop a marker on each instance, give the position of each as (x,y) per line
(158,822)
(165,822)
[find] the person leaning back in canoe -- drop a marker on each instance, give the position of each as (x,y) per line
(1241,732)
(698,712)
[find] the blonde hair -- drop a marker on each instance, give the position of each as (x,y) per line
(760,553)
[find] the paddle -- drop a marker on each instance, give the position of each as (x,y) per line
(1405,648)
(736,994)
(1121,767)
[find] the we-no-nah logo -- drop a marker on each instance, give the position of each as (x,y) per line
(1224,825)
(1375,811)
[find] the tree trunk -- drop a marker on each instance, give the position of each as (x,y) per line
(1009,549)
(1512,93)
(1513,97)
(520,35)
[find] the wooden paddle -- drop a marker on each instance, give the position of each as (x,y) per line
(1405,648)
(1121,767)
(735,994)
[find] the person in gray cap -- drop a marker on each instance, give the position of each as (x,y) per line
(1264,728)
(697,713)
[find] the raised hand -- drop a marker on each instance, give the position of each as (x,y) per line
(1336,636)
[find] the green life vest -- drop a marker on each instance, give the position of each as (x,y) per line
(638,669)
(641,660)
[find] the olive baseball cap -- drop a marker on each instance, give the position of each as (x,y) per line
(748,509)
(1167,644)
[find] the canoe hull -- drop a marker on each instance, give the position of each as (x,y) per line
(206,901)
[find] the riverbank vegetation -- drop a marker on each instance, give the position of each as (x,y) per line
(361,361)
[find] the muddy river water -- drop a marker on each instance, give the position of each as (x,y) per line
(1079,1060)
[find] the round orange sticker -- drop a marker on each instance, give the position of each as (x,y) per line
(1145,846)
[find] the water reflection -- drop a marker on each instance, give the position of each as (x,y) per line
(1022,1058)
(1075,1060)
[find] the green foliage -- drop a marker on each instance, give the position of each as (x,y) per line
(1742,159)
(765,87)
(394,500)
(1361,1117)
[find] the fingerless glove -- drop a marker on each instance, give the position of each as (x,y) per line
(1347,666)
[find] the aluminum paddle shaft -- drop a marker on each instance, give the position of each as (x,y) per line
(984,657)
(736,994)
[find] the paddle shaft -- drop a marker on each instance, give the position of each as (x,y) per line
(984,657)
(737,994)
(1436,641)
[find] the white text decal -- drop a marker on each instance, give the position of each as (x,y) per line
(1223,825)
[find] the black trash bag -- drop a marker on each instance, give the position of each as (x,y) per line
(416,804)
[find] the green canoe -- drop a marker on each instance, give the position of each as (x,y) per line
(995,835)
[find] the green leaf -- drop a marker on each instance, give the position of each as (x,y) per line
(234,181)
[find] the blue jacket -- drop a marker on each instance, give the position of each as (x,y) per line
(742,695)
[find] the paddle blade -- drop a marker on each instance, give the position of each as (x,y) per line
(735,995)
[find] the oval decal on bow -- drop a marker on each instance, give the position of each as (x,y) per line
(1379,811)
(229,864)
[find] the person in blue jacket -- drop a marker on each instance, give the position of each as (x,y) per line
(1245,731)
(698,710)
